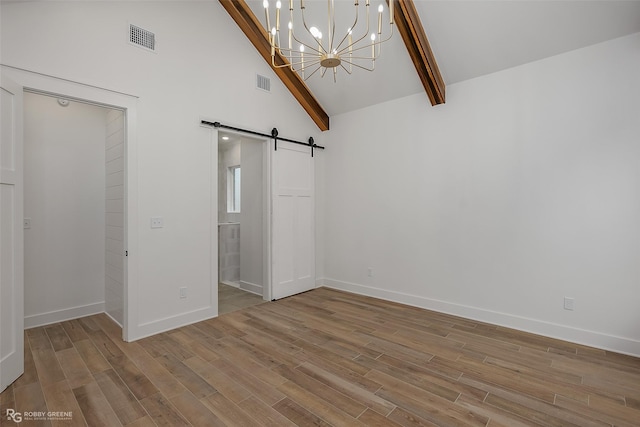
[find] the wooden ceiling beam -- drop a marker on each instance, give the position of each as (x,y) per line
(410,28)
(249,24)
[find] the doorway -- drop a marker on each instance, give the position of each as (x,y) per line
(242,222)
(15,82)
(74,193)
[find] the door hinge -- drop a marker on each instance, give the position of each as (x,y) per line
(126,253)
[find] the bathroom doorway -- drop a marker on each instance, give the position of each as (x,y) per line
(242,222)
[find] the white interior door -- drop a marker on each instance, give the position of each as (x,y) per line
(293,229)
(11,234)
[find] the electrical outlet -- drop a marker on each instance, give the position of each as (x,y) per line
(568,303)
(157,222)
(183,292)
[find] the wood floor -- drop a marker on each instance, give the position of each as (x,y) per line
(322,358)
(232,299)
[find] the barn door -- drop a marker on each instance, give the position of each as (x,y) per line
(293,230)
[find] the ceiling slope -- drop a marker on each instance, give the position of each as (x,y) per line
(252,28)
(415,39)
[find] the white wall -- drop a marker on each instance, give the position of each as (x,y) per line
(522,189)
(251,216)
(114,216)
(202,62)
(64,158)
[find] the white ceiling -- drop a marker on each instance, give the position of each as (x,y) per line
(471,39)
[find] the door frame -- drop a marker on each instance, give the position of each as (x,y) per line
(75,91)
(266,209)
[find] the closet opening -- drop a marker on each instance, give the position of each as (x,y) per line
(74,209)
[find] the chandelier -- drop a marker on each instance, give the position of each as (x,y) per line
(308,51)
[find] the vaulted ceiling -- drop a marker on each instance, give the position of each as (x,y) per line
(469,39)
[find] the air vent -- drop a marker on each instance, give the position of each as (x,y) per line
(141,37)
(263,83)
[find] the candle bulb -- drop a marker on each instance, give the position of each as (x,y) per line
(373,46)
(278,6)
(302,61)
(317,34)
(391,12)
(273,41)
(380,19)
(290,33)
(290,4)
(265,3)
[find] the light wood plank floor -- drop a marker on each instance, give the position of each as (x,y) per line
(322,358)
(232,299)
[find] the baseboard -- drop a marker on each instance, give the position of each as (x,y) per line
(251,287)
(162,325)
(113,318)
(232,284)
(548,329)
(43,319)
